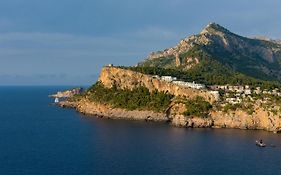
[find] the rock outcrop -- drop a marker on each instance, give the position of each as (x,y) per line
(105,111)
(238,119)
(191,122)
(67,93)
(260,119)
(127,79)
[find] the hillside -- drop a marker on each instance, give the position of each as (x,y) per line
(126,94)
(216,50)
(214,79)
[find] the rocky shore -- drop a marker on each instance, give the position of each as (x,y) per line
(261,120)
(105,111)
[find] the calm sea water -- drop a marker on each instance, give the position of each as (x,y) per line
(40,139)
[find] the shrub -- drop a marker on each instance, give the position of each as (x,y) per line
(197,107)
(231,107)
(139,98)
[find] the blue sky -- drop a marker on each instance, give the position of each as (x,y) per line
(66,42)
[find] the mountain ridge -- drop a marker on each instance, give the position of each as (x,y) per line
(252,57)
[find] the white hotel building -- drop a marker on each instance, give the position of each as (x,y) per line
(183,83)
(189,84)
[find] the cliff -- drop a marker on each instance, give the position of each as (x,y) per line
(127,79)
(238,119)
(216,118)
(105,111)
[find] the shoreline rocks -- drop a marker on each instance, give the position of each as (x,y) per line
(105,111)
(217,119)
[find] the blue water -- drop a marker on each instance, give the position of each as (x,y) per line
(39,139)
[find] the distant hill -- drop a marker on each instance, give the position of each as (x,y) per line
(219,52)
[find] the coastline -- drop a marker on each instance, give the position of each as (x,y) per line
(259,114)
(105,111)
(217,119)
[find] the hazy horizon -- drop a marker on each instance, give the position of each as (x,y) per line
(67,42)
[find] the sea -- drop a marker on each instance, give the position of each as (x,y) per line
(38,138)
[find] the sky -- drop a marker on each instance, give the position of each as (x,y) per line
(66,42)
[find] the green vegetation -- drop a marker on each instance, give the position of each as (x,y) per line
(232,107)
(247,107)
(243,61)
(208,72)
(250,109)
(139,98)
(165,62)
(197,107)
(77,97)
(212,70)
(226,59)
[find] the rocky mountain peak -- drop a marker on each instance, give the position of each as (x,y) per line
(214,28)
(252,57)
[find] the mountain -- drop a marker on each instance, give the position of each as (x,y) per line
(218,50)
(236,84)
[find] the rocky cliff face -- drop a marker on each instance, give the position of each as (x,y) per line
(260,119)
(105,111)
(127,79)
(233,119)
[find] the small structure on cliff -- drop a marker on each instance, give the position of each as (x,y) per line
(216,94)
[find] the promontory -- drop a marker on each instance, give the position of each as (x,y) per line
(214,79)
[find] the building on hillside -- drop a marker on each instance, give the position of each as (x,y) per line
(189,84)
(236,100)
(216,94)
(181,83)
(257,90)
(168,78)
(265,91)
(247,92)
